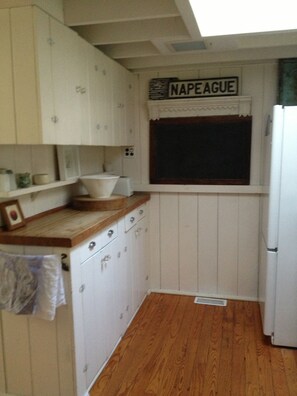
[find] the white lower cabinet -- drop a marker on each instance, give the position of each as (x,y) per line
(105,286)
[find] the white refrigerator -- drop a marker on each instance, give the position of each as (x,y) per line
(278,250)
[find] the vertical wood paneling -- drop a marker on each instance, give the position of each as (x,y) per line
(169,241)
(228,244)
(154,222)
(188,269)
(16,339)
(208,244)
(248,246)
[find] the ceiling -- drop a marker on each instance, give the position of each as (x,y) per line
(142,34)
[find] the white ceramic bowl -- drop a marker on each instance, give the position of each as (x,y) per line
(99,186)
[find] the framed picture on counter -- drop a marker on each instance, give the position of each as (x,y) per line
(12,214)
(69,162)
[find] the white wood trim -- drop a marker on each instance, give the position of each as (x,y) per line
(199,188)
(175,108)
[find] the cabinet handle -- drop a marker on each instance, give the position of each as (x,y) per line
(121,316)
(98,127)
(50,41)
(83,90)
(82,288)
(110,233)
(141,211)
(77,88)
(92,245)
(85,369)
(132,219)
(54,119)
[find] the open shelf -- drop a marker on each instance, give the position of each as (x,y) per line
(35,189)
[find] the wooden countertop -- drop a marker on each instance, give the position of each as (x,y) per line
(68,227)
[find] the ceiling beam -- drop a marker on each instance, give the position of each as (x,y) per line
(125,32)
(130,50)
(83,12)
(208,57)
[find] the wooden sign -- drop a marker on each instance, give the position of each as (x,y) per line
(172,88)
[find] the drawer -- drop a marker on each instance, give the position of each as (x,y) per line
(108,234)
(133,217)
(141,212)
(97,242)
(90,247)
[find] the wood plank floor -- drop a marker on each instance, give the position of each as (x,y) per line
(175,347)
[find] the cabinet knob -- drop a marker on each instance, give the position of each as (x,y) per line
(132,219)
(83,90)
(110,233)
(98,127)
(54,119)
(141,211)
(78,88)
(92,244)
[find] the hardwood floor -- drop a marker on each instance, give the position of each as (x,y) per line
(175,347)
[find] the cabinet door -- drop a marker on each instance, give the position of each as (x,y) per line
(130,110)
(65,83)
(118,104)
(82,89)
(122,282)
(92,291)
(44,74)
(108,259)
(100,98)
(7,123)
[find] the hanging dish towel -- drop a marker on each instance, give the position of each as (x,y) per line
(31,284)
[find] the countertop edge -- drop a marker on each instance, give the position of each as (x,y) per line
(15,238)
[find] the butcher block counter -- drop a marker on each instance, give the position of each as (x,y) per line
(68,227)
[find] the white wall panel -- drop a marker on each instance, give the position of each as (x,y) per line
(154,222)
(227,244)
(205,244)
(169,241)
(188,237)
(208,244)
(248,224)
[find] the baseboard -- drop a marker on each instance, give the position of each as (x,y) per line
(195,294)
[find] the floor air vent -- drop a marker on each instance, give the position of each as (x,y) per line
(210,301)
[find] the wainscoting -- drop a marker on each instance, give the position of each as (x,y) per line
(205,244)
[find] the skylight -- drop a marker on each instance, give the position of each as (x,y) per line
(226,17)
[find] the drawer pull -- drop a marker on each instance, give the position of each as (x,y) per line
(141,211)
(92,245)
(110,233)
(132,219)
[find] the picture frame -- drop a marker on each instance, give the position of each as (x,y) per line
(69,162)
(12,214)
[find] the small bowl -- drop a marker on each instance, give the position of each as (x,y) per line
(41,178)
(99,186)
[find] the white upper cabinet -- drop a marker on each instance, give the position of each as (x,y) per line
(50,79)
(65,91)
(7,121)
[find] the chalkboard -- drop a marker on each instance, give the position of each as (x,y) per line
(200,150)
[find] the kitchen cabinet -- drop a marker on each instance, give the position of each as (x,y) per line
(57,88)
(50,79)
(137,236)
(98,302)
(64,356)
(123,117)
(7,122)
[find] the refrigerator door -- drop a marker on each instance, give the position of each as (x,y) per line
(285,322)
(271,232)
(267,289)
